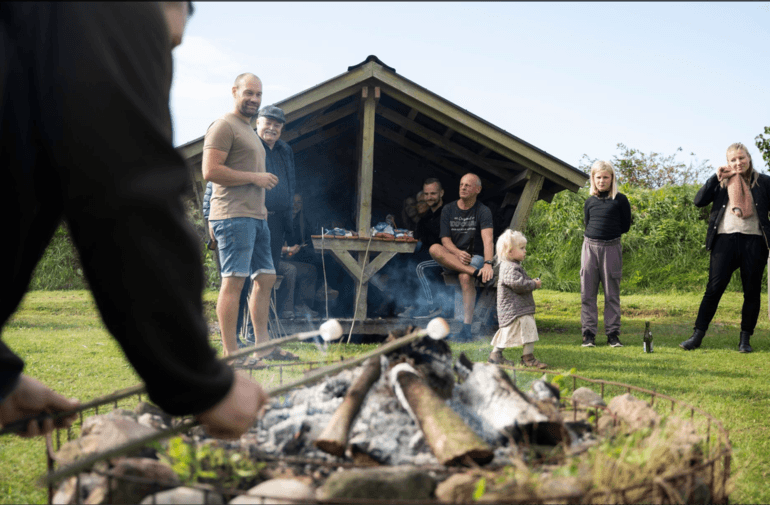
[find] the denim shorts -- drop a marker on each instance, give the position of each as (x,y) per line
(477,261)
(244,246)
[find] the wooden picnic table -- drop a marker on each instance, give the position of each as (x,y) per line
(360,268)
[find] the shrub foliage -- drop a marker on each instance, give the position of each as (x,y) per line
(663,251)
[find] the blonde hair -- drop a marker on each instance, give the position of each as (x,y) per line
(604,166)
(751,175)
(509,240)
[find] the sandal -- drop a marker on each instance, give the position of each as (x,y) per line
(497,358)
(280,355)
(249,363)
(529,360)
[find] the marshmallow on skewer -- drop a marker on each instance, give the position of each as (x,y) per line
(438,328)
(330,330)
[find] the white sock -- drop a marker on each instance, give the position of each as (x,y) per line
(528,349)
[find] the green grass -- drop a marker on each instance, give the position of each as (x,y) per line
(65,345)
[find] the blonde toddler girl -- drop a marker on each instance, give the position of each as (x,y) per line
(515,303)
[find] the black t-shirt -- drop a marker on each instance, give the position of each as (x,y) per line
(428,229)
(464,226)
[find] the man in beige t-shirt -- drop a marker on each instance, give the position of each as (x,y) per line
(234,161)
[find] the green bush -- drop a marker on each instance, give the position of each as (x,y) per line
(663,251)
(60,268)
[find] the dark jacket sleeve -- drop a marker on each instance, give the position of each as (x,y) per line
(707,192)
(139,253)
(586,213)
(291,175)
(10,370)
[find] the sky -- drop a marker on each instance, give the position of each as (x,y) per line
(571,78)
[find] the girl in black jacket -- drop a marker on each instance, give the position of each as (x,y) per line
(737,238)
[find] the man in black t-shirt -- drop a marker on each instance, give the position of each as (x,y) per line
(467,245)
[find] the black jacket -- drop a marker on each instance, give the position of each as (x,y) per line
(713,192)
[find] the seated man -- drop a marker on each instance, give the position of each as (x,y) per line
(467,245)
(428,271)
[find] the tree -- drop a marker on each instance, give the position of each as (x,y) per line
(763,144)
(653,170)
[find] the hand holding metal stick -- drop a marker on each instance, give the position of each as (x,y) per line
(437,329)
(330,330)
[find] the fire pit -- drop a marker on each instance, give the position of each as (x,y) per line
(414,425)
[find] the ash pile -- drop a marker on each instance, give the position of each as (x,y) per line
(414,406)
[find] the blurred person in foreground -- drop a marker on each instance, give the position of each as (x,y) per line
(85,135)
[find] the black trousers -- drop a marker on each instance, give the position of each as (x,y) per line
(731,252)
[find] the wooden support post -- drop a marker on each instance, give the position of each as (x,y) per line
(526,202)
(365,161)
(362,289)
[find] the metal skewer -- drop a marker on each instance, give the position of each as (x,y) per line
(437,329)
(330,330)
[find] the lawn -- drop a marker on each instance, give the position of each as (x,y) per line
(64,343)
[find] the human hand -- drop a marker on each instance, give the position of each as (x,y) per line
(487,273)
(237,412)
(293,249)
(538,283)
(724,172)
(266,180)
(464,257)
(32,398)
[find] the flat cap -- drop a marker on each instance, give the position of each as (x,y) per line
(273,112)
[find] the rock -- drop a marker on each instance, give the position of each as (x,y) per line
(458,488)
(394,483)
(277,491)
(635,413)
(183,496)
(100,433)
(159,477)
(65,495)
(563,490)
(152,421)
(588,397)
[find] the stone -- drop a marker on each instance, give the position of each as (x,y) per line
(183,496)
(65,495)
(152,421)
(279,491)
(563,489)
(393,483)
(126,489)
(104,432)
(635,413)
(458,488)
(588,397)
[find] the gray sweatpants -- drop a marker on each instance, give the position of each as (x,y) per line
(600,261)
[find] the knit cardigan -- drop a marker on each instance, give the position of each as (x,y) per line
(514,293)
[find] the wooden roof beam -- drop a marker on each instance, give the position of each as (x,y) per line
(441,141)
(510,183)
(413,95)
(412,114)
(427,154)
(321,136)
(320,121)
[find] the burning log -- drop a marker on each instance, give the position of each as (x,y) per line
(450,439)
(334,438)
(488,391)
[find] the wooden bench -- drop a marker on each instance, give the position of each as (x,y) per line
(484,314)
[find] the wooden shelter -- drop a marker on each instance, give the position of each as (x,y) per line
(366,139)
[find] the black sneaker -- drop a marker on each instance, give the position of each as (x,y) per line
(613,340)
(588,339)
(462,336)
(427,312)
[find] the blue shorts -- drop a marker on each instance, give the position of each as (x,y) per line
(477,261)
(244,246)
